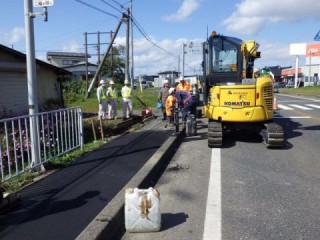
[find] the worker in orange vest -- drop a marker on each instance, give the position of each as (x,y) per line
(182,90)
(170,105)
(183,85)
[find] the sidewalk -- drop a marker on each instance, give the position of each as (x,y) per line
(10,200)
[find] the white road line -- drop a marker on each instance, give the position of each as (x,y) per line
(313,105)
(294,117)
(212,224)
(300,107)
(299,97)
(284,107)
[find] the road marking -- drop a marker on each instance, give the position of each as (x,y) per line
(300,107)
(313,105)
(304,98)
(293,117)
(212,224)
(284,107)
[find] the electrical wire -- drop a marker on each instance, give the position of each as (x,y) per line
(96,8)
(139,28)
(134,21)
(112,6)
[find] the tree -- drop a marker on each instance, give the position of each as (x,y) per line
(114,66)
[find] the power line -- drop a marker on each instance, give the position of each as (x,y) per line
(98,9)
(134,21)
(112,6)
(150,40)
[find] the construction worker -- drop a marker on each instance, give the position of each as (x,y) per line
(102,99)
(127,107)
(170,106)
(112,99)
(189,106)
(162,96)
(183,85)
(182,89)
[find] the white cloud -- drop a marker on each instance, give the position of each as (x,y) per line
(72,46)
(251,15)
(273,54)
(185,10)
(15,36)
(150,59)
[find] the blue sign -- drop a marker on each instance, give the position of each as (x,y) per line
(317,37)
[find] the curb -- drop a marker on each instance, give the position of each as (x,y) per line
(106,224)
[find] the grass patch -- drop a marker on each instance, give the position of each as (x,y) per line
(308,91)
(71,157)
(26,178)
(149,96)
(18,182)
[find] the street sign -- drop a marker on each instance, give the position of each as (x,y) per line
(43,3)
(317,37)
(194,48)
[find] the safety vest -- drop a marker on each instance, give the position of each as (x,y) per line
(184,87)
(126,92)
(112,93)
(170,102)
(102,92)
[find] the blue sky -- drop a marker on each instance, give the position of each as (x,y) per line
(273,24)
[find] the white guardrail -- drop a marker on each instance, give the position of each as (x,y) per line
(55,133)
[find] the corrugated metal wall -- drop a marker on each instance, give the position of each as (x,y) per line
(13,93)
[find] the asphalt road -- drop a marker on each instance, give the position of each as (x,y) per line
(61,205)
(244,190)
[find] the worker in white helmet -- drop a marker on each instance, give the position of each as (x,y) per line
(171,102)
(162,96)
(102,99)
(112,99)
(127,106)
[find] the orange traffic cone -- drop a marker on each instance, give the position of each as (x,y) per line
(275,104)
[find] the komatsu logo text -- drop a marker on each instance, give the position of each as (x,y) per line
(241,103)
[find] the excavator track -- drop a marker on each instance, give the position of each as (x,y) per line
(274,136)
(214,134)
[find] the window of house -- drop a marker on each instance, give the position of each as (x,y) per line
(67,62)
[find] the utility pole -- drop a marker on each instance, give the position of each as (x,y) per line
(98,50)
(105,55)
(98,47)
(296,84)
(111,54)
(86,56)
(178,65)
(32,78)
(309,78)
(132,62)
(127,74)
(183,53)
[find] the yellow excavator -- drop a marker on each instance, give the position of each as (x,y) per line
(234,98)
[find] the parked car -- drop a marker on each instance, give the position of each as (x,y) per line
(278,85)
(290,85)
(143,84)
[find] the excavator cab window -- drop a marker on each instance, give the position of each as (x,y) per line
(224,56)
